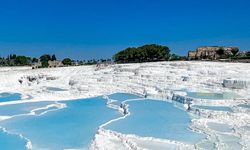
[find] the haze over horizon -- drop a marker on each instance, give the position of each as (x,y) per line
(84,29)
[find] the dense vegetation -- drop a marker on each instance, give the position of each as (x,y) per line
(43,61)
(224,55)
(248,54)
(14,60)
(235,50)
(146,53)
(67,61)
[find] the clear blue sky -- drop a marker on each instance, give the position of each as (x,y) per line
(84,29)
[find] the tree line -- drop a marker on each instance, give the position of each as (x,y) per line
(19,60)
(146,53)
(223,54)
(15,60)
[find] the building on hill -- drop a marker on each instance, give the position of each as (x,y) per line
(55,63)
(51,64)
(36,65)
(209,52)
(191,55)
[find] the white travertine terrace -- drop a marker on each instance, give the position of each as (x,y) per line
(160,80)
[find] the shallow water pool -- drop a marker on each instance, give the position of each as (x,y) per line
(123,96)
(221,127)
(75,126)
(22,108)
(245,106)
(56,89)
(11,142)
(216,108)
(212,96)
(150,118)
(118,98)
(69,128)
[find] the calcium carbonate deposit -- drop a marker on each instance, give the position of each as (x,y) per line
(161,105)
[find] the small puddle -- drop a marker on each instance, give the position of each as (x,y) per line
(221,127)
(215,108)
(212,96)
(55,89)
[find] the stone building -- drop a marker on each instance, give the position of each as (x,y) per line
(55,63)
(36,65)
(209,52)
(191,55)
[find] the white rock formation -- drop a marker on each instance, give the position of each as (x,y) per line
(158,80)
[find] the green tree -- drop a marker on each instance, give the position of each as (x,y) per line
(220,51)
(22,60)
(248,54)
(94,61)
(235,50)
(44,60)
(14,56)
(146,53)
(53,58)
(67,61)
(34,60)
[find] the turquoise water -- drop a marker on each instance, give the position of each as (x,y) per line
(216,108)
(74,127)
(41,111)
(23,108)
(123,96)
(120,97)
(11,142)
(158,119)
(212,96)
(70,128)
(219,127)
(55,89)
(244,106)
(6,97)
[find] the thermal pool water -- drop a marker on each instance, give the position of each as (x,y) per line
(73,124)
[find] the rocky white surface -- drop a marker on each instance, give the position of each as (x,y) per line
(159,80)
